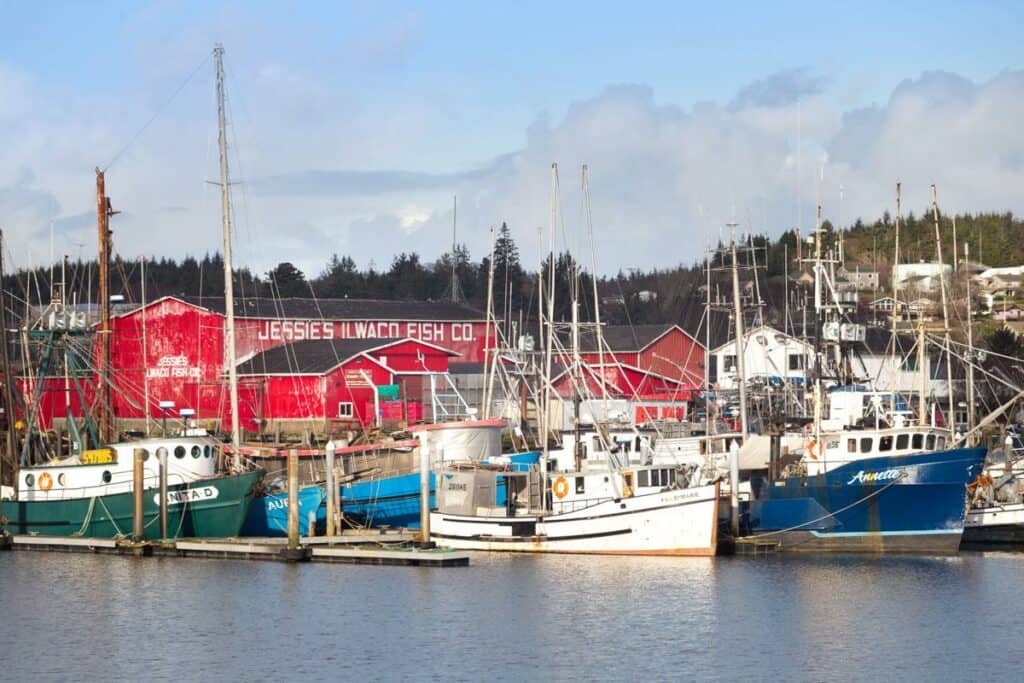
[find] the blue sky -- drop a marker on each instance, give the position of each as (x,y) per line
(685,112)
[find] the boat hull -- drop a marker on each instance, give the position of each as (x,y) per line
(999,525)
(896,504)
(268,515)
(675,522)
(212,508)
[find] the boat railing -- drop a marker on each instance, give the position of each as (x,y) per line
(564,506)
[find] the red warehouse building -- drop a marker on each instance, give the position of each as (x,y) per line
(324,383)
(172,349)
(666,351)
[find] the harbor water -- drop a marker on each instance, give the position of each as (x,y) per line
(92,617)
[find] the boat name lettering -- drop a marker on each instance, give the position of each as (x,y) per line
(189,495)
(863,477)
(454,486)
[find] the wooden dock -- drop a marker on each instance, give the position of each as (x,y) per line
(391,547)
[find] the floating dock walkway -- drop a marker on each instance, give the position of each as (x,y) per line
(362,547)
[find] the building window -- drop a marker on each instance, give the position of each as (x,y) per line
(909,363)
(730,363)
(796,361)
(345,409)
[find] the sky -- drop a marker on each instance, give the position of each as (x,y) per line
(353,125)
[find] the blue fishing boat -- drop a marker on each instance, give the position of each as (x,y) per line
(395,501)
(268,514)
(907,501)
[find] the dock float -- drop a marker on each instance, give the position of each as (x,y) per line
(390,548)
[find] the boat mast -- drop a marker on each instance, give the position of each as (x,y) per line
(740,346)
(896,355)
(597,302)
(945,308)
(490,354)
(8,396)
(104,414)
(708,424)
(970,353)
(229,294)
(818,353)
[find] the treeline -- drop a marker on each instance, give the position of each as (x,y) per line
(671,295)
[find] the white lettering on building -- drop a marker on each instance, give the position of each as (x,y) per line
(173,366)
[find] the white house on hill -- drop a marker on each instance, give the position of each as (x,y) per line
(768,353)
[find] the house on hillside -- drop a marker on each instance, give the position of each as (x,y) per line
(768,355)
(892,365)
(922,276)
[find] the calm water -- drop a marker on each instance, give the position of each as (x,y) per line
(88,617)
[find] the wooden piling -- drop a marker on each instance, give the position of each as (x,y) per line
(293,499)
(332,492)
(138,486)
(425,489)
(734,487)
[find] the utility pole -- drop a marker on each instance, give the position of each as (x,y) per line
(104,417)
(229,290)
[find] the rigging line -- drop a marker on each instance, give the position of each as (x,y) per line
(157,113)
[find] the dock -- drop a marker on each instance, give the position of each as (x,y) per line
(391,547)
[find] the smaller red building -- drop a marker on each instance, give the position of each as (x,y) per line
(343,382)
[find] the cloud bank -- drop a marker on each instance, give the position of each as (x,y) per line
(664,177)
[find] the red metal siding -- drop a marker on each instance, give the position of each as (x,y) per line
(685,354)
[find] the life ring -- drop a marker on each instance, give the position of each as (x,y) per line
(45,481)
(561,487)
(813,449)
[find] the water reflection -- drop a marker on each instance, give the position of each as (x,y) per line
(509,617)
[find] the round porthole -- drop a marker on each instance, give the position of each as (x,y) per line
(106,476)
(30,480)
(145,455)
(62,479)
(179,452)
(196,451)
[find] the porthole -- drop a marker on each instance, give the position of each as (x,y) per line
(30,480)
(145,454)
(196,451)
(207,451)
(106,476)
(62,479)
(179,452)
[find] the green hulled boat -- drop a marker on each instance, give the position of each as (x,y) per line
(91,496)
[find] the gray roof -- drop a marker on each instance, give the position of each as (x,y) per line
(340,309)
(308,357)
(618,338)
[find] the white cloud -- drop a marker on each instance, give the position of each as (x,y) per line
(652,165)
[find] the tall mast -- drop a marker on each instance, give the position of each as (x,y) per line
(8,396)
(740,346)
(104,417)
(945,306)
(708,424)
(229,290)
(490,353)
(819,315)
(970,354)
(896,356)
(597,302)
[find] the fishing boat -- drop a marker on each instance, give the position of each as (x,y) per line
(641,511)
(995,513)
(92,495)
(872,478)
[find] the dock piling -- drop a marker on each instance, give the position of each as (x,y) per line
(138,483)
(425,490)
(734,487)
(293,499)
(162,456)
(332,492)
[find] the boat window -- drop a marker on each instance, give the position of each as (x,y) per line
(931,442)
(885,443)
(941,445)
(179,452)
(30,479)
(580,485)
(207,451)
(595,445)
(851,445)
(917,442)
(145,455)
(638,444)
(62,479)
(196,451)
(865,445)
(644,478)
(902,441)
(106,477)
